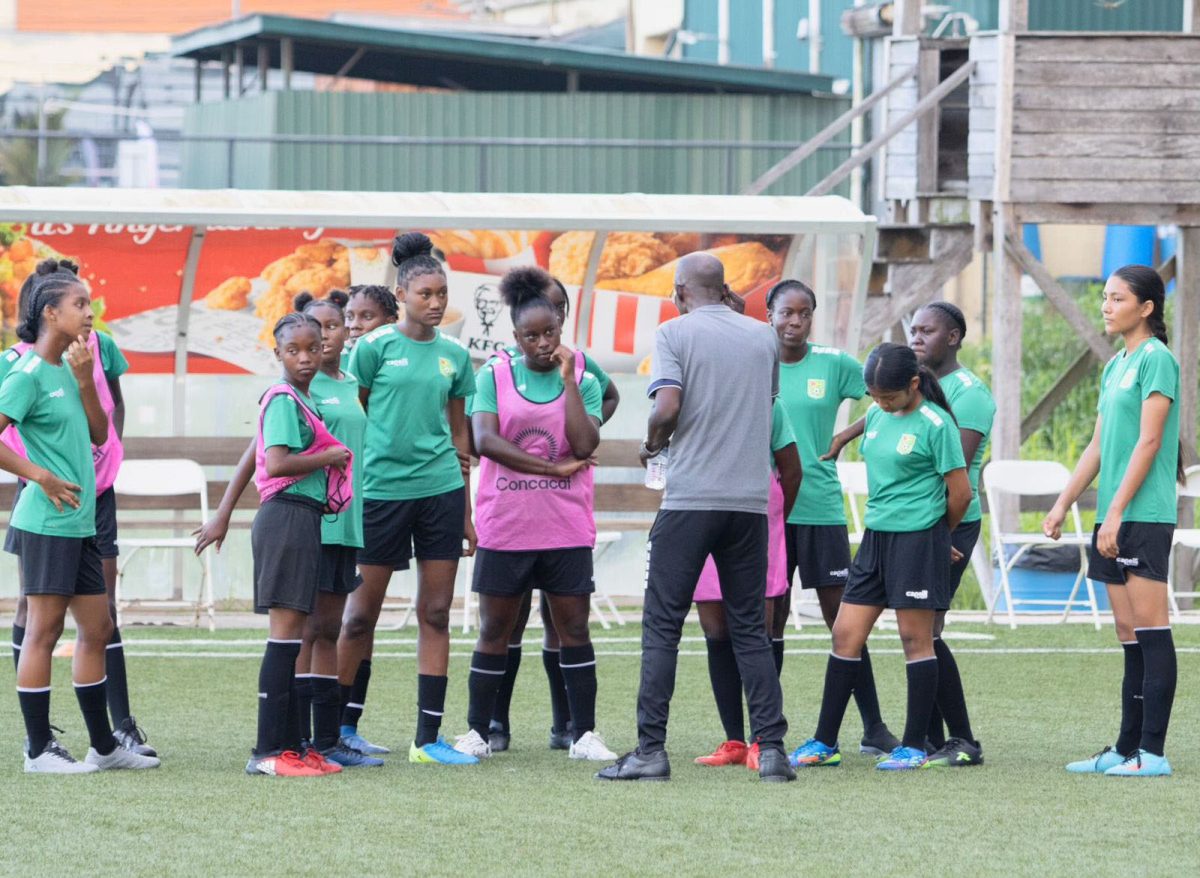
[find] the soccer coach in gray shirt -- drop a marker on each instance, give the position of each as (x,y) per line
(715,377)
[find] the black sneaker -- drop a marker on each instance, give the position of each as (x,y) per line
(879,741)
(130,737)
(958,753)
(499,737)
(638,766)
(561,740)
(773,766)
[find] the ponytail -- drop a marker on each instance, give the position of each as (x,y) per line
(44,289)
(931,389)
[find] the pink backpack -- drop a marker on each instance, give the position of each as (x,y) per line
(338,484)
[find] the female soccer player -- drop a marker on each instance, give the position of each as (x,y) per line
(918,491)
(936,335)
(1135,449)
(536,424)
(560,728)
(413,381)
(723,672)
(813,382)
(300,472)
(50,394)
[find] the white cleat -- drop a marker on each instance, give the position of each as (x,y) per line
(473,744)
(592,748)
(56,760)
(120,758)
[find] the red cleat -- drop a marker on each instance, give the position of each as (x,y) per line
(314,759)
(729,753)
(285,764)
(752,757)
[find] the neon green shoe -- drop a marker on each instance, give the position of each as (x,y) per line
(439,753)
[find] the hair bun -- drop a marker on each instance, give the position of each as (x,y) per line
(302,300)
(410,244)
(338,297)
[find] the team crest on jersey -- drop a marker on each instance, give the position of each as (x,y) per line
(816,388)
(446,367)
(907,443)
(1127,380)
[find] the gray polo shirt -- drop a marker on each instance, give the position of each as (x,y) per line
(727,368)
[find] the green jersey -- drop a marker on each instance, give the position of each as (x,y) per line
(974,409)
(907,459)
(539,387)
(111,359)
(1128,380)
(781,428)
(337,402)
(284,424)
(589,367)
(409,452)
(44,402)
(811,391)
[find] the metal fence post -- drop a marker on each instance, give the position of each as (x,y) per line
(230,147)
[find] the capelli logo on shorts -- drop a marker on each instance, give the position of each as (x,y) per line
(922,595)
(1127,562)
(844,573)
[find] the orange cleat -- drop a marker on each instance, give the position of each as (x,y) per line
(285,764)
(752,757)
(729,753)
(313,759)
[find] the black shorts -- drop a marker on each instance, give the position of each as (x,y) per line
(964,537)
(338,574)
(433,526)
(286,541)
(106,524)
(66,566)
(902,571)
(1143,549)
(820,552)
(12,538)
(553,571)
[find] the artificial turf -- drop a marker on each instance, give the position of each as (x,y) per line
(1039,697)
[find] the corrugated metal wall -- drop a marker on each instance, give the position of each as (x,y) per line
(786,119)
(1089,15)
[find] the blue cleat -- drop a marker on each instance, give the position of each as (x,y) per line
(1098,763)
(351,738)
(348,757)
(439,753)
(902,759)
(1141,763)
(812,754)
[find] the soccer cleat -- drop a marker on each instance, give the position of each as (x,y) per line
(774,767)
(752,757)
(285,764)
(813,754)
(957,753)
(118,759)
(1098,763)
(1141,763)
(592,748)
(439,753)
(55,759)
(902,759)
(653,766)
(561,740)
(729,753)
(314,759)
(355,741)
(132,738)
(499,738)
(473,744)
(879,741)
(348,757)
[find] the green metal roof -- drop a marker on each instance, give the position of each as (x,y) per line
(478,63)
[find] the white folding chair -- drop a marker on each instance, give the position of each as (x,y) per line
(1033,478)
(1188,538)
(166,478)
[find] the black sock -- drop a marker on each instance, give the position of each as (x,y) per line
(560,708)
(483,684)
(578,665)
(35,708)
(865,695)
(94,707)
(302,690)
(727,687)
(504,696)
(324,712)
(1158,686)
(841,675)
(937,728)
(1130,737)
(951,702)
(18,637)
(922,692)
(357,696)
(431,704)
(118,686)
(275,678)
(777,649)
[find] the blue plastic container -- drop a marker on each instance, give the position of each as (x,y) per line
(1046,573)
(1128,245)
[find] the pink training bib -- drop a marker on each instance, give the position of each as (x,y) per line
(107,457)
(339,489)
(520,512)
(708,587)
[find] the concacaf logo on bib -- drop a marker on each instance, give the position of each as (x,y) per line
(446,367)
(907,443)
(816,388)
(1127,380)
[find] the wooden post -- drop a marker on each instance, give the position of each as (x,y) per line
(1186,335)
(1014,16)
(1191,16)
(263,64)
(907,20)
(287,61)
(1006,351)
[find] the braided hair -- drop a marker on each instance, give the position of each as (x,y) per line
(412,254)
(294,320)
(952,313)
(50,281)
(381,296)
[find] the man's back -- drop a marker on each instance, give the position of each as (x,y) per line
(727,367)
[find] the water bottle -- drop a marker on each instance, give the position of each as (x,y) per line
(656,471)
